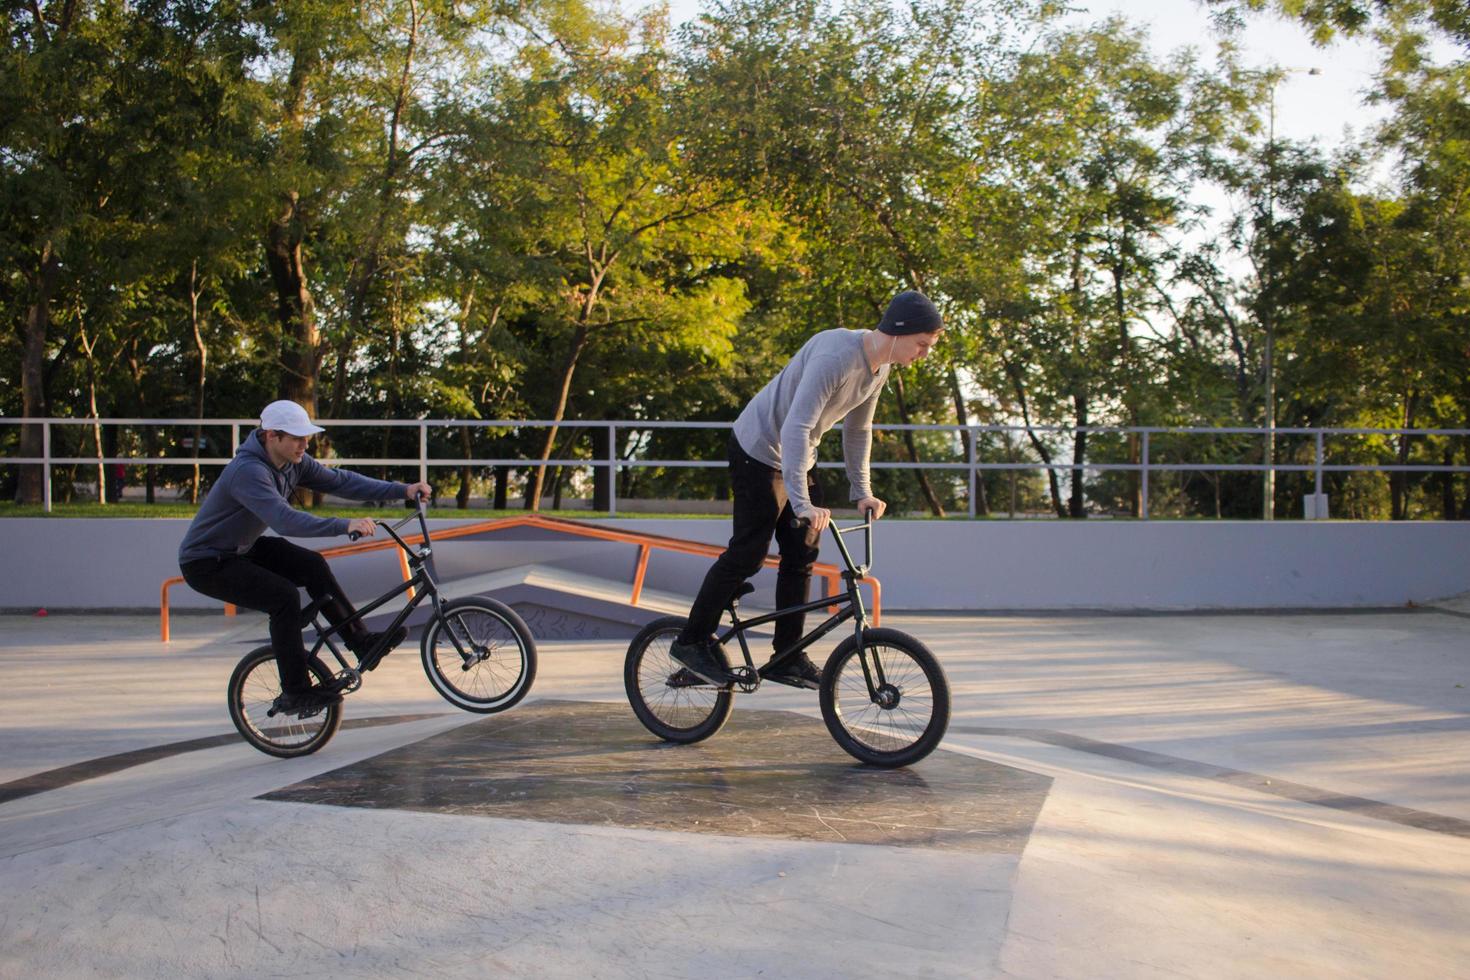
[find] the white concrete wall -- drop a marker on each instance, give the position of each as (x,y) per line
(85,563)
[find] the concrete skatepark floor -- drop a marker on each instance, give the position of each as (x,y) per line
(1119,796)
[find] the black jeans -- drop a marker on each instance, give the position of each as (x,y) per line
(761,510)
(266,578)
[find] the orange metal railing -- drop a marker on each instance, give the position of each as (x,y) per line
(647,543)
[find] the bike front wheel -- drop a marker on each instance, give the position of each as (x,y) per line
(492,665)
(254,687)
(902,716)
(672,710)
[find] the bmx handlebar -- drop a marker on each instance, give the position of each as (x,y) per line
(837,532)
(800,522)
(417,514)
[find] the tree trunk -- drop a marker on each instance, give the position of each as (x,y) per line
(559,478)
(89,348)
(462,498)
(564,388)
(601,475)
(150,434)
(502,477)
(195,290)
(295,308)
(1447,487)
(526,494)
(1077,505)
(935,507)
(1011,475)
(370,258)
(971,451)
(150,473)
(325,445)
(30,489)
(116,472)
(1398,480)
(1125,356)
(466,447)
(1036,443)
(1465,507)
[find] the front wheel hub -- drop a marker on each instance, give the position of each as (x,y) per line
(887,697)
(478,654)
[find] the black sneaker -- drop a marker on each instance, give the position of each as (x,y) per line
(797,671)
(364,644)
(684,677)
(305,703)
(700,660)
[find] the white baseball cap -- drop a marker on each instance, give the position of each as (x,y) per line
(287,416)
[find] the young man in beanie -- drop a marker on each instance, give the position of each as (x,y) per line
(837,375)
(224,555)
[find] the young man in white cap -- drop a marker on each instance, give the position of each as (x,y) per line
(225,556)
(837,375)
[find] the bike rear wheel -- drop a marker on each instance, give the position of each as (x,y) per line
(501,660)
(253,689)
(671,711)
(909,714)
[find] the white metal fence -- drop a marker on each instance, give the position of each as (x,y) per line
(973,467)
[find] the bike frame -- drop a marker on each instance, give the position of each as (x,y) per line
(851,608)
(422,582)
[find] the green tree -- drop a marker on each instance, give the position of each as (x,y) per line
(623,229)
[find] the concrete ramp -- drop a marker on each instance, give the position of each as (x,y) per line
(558,604)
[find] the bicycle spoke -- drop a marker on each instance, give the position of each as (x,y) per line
(258,694)
(885,729)
(497,660)
(678,707)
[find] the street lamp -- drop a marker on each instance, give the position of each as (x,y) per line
(1268,310)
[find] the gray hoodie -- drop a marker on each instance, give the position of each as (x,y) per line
(251,495)
(828,379)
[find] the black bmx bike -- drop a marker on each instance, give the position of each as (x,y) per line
(477,652)
(883,694)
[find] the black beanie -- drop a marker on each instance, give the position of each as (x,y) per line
(910,312)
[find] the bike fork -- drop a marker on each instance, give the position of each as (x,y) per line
(872,670)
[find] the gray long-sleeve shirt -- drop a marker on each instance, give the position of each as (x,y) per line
(251,495)
(828,379)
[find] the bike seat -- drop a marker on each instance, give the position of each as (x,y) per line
(308,615)
(745,589)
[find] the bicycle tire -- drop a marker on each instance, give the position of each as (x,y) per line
(504,664)
(893,735)
(674,714)
(254,687)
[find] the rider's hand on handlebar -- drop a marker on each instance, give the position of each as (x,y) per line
(419,490)
(817,519)
(360,527)
(871,504)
